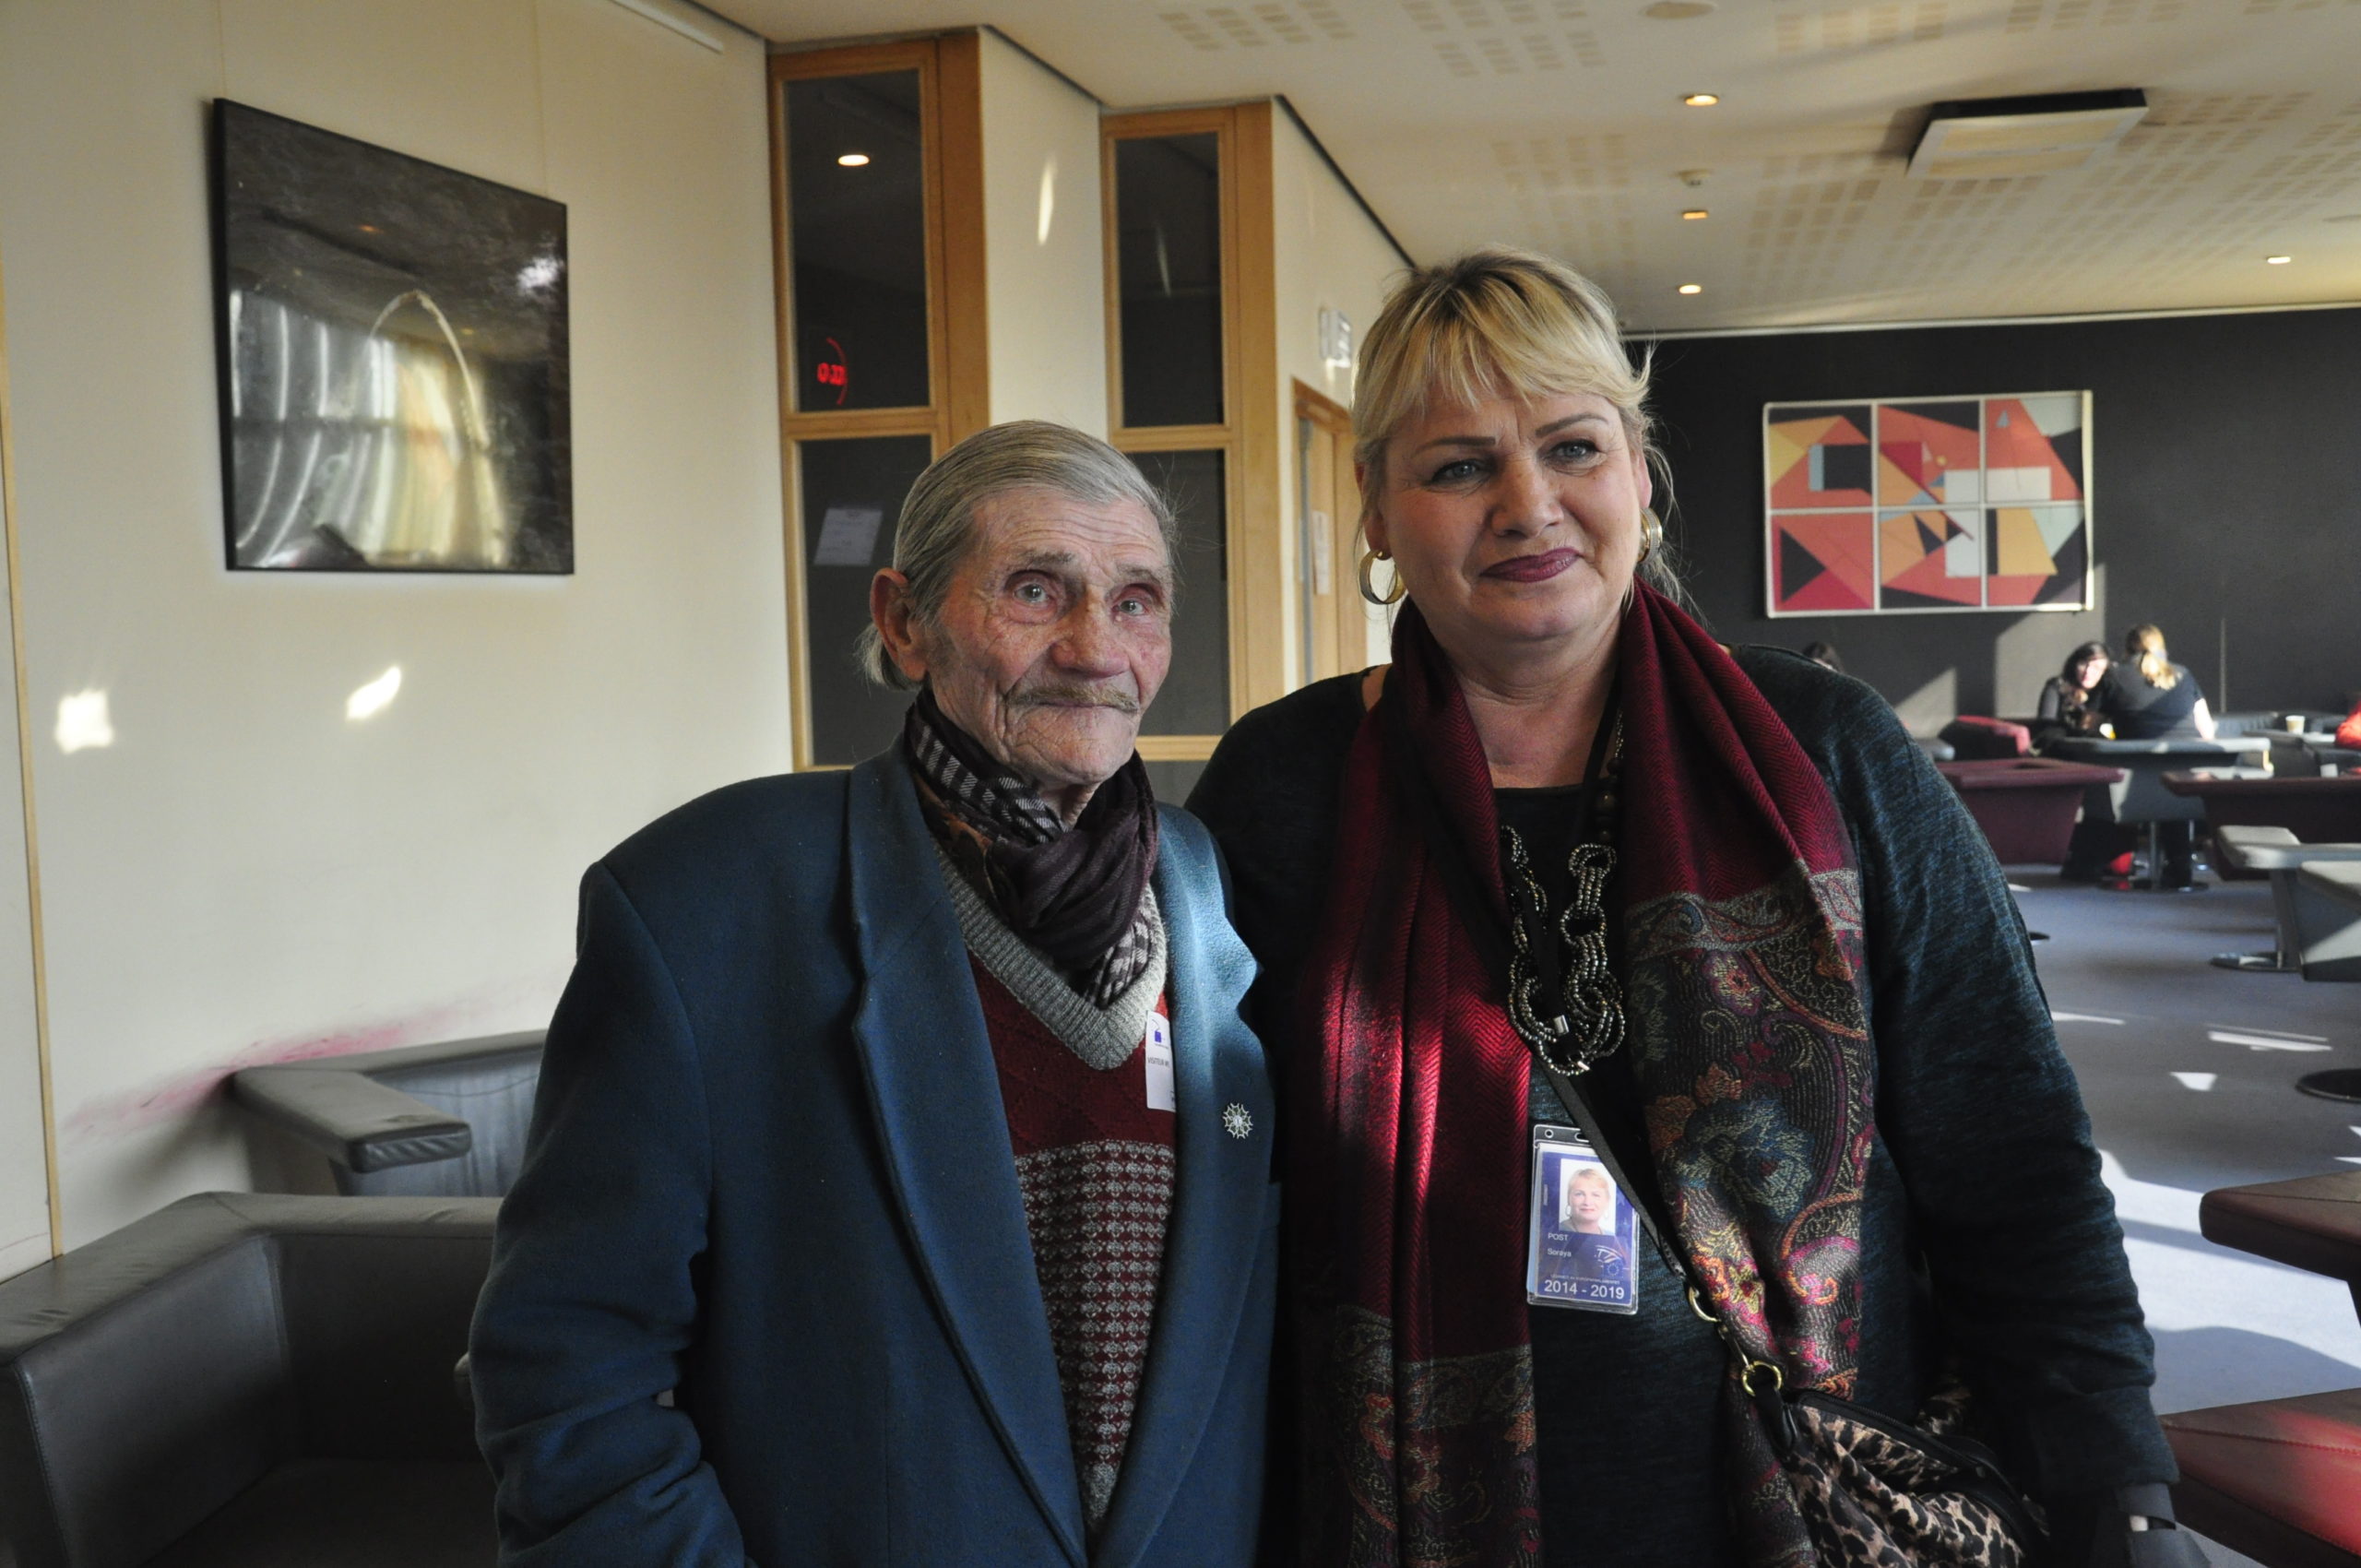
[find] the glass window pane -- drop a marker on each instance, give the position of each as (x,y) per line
(1195,698)
(856,196)
(1168,250)
(851,497)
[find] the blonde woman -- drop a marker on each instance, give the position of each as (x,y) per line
(2148,697)
(1722,896)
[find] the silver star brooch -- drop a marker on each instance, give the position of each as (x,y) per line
(1236,1122)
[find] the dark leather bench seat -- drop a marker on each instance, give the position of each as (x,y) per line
(248,1379)
(348,1514)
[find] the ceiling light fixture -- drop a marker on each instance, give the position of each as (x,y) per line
(2277,260)
(1991,138)
(1693,214)
(854,161)
(1701,100)
(1692,288)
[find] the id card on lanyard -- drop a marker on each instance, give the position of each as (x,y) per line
(1581,1233)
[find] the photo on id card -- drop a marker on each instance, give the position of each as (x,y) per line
(1580,1248)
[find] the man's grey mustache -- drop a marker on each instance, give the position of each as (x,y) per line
(1075,696)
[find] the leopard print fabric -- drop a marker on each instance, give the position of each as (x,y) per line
(1872,1500)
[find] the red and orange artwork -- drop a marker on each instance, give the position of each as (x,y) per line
(1928,454)
(1930,559)
(2032,449)
(1819,457)
(1928,504)
(1822,561)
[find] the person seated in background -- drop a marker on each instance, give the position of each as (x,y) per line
(2149,697)
(1825,656)
(899,1185)
(2067,698)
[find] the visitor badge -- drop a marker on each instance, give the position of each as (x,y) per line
(1580,1239)
(1155,1053)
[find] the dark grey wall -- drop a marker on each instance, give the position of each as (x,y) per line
(2226,488)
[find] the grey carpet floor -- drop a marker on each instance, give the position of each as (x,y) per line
(2188,1072)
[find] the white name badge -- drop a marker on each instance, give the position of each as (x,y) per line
(1581,1233)
(1156,1052)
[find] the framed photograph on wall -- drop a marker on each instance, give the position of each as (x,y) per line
(1907,505)
(392,352)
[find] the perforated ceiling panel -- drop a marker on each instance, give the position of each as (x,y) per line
(1558,124)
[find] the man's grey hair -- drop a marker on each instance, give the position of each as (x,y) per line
(938,521)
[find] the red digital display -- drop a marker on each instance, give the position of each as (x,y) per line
(834,372)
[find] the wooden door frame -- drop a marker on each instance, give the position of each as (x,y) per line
(958,371)
(1349,643)
(1249,435)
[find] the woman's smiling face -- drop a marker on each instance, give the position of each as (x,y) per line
(1513,521)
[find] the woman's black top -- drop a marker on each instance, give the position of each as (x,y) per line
(2066,708)
(2142,710)
(1986,1228)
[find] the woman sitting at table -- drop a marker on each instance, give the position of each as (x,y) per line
(1719,896)
(2067,707)
(2149,697)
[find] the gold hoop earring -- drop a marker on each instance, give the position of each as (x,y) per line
(1650,535)
(1369,589)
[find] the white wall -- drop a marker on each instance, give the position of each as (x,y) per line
(244,875)
(1044,271)
(1329,254)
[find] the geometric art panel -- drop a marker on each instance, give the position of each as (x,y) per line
(1928,504)
(2039,555)
(1822,561)
(1930,559)
(1819,457)
(1928,454)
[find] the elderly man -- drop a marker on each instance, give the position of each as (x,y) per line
(899,1187)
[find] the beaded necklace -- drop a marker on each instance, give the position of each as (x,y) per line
(1563,999)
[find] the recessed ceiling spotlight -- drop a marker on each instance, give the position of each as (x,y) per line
(1701,100)
(2277,260)
(1693,214)
(854,161)
(1692,288)
(1679,10)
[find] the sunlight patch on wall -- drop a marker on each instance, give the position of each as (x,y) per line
(372,700)
(83,722)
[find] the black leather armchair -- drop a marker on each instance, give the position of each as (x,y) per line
(248,1381)
(426,1121)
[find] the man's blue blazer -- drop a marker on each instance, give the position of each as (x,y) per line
(770,1172)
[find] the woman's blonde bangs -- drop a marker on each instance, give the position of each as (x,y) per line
(1497,322)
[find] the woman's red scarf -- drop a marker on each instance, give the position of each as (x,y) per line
(1748,1041)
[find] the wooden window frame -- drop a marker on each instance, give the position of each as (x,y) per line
(951,148)
(1249,433)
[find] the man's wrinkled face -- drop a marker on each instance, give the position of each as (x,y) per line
(1053,638)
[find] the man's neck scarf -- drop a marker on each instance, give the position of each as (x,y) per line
(1749,1043)
(1074,894)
